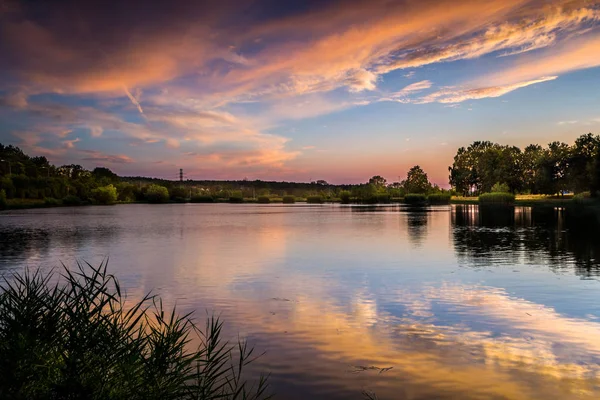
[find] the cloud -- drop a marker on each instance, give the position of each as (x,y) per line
(455,95)
(134,101)
(97,156)
(69,144)
(567,122)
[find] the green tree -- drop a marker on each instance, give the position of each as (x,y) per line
(157,194)
(581,163)
(417,181)
(105,195)
(377,181)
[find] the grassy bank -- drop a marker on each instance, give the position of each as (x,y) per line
(523,200)
(80,339)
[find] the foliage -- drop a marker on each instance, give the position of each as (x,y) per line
(536,170)
(289,199)
(200,198)
(79,339)
(105,195)
(345,196)
(263,199)
(497,199)
(417,181)
(71,200)
(439,198)
(315,200)
(236,199)
(2,199)
(157,194)
(52,202)
(377,181)
(415,199)
(500,188)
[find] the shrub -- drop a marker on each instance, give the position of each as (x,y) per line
(78,338)
(345,196)
(263,200)
(581,198)
(315,200)
(3,204)
(236,199)
(289,199)
(71,200)
(439,198)
(105,195)
(51,202)
(500,188)
(415,199)
(497,198)
(202,199)
(157,194)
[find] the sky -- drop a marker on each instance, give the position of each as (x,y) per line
(293,90)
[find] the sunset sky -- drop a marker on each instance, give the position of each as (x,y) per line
(293,90)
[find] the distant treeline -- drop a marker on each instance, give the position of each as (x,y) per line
(24,178)
(480,168)
(554,169)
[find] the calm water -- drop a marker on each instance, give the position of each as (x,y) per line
(462,303)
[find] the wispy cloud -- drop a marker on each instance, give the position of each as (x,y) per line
(134,101)
(97,156)
(457,95)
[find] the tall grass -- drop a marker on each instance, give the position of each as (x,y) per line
(315,200)
(78,339)
(415,199)
(289,199)
(439,198)
(497,198)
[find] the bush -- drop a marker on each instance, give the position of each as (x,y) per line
(415,199)
(497,198)
(157,194)
(345,197)
(263,200)
(77,338)
(51,202)
(71,200)
(202,199)
(105,195)
(289,199)
(236,199)
(315,200)
(500,188)
(439,198)
(581,198)
(3,203)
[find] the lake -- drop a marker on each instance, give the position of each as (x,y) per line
(450,301)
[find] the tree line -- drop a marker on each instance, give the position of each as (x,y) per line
(555,169)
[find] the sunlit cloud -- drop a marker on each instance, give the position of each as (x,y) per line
(455,95)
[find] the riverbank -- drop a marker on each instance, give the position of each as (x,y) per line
(520,200)
(526,200)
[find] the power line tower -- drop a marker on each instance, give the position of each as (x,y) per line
(180,174)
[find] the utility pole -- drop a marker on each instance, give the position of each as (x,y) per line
(180,174)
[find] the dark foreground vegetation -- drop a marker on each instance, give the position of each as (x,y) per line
(77,338)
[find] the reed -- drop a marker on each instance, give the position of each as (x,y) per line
(497,198)
(75,337)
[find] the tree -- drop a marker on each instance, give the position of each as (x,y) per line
(157,194)
(105,195)
(377,181)
(417,181)
(581,163)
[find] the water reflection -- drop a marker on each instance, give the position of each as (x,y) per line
(327,290)
(555,237)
